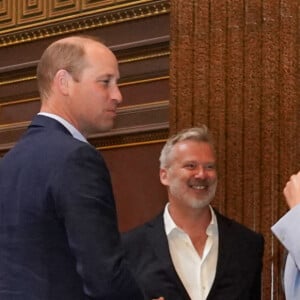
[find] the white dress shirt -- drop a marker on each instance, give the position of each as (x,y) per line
(196,273)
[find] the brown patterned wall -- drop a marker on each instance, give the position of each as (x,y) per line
(235,66)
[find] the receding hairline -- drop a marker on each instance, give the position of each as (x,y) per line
(80,41)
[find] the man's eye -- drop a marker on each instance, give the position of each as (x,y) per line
(105,82)
(190,166)
(210,167)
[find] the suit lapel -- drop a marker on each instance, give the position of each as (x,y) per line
(157,238)
(224,253)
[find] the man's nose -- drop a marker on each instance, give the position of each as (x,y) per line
(116,95)
(200,172)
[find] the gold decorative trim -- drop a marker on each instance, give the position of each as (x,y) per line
(131,139)
(14,126)
(144,57)
(147,105)
(134,144)
(82,21)
(22,79)
(13,102)
(147,80)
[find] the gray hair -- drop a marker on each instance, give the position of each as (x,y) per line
(198,134)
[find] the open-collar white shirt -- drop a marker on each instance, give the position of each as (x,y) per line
(196,273)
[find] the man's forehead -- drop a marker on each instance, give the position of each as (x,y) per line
(190,144)
(191,147)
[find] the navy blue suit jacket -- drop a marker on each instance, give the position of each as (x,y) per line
(59,238)
(239,266)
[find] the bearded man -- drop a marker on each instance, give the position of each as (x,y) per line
(190,251)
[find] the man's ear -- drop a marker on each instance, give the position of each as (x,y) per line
(62,80)
(163,175)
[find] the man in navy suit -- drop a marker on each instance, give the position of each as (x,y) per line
(190,251)
(287,231)
(59,237)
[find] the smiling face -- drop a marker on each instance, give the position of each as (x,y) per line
(95,96)
(191,176)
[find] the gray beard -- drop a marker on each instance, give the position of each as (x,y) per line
(197,203)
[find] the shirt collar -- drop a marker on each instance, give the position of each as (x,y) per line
(75,133)
(170,225)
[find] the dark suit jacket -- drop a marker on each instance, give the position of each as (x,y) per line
(239,266)
(58,230)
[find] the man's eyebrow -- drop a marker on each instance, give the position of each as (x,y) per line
(109,76)
(104,76)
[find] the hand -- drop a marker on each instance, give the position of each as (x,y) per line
(160,298)
(292,191)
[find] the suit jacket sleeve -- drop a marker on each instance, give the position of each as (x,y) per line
(84,202)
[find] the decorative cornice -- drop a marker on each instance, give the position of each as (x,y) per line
(153,136)
(83,20)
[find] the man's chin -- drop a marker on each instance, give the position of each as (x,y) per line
(200,203)
(103,128)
